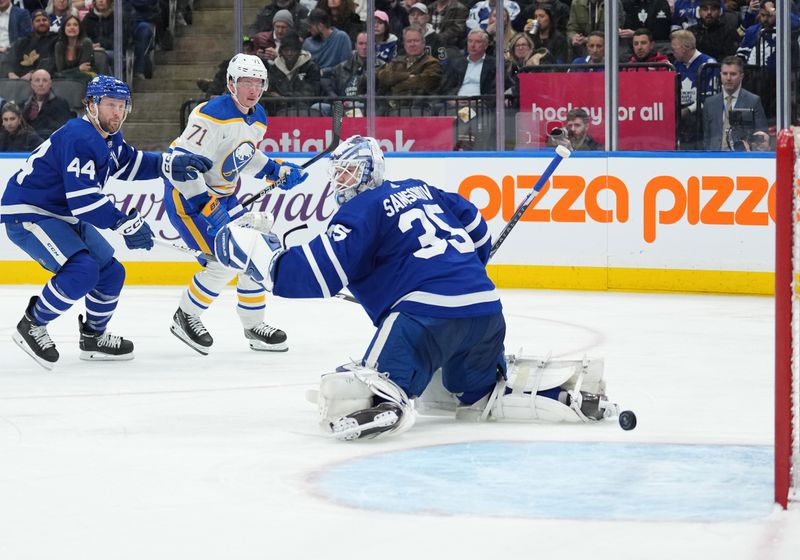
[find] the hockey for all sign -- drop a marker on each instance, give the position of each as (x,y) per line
(646,106)
(394,134)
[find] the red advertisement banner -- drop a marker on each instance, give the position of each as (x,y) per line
(646,107)
(394,134)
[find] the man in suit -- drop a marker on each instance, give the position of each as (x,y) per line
(473,74)
(720,130)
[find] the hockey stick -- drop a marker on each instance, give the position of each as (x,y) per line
(183,249)
(562,152)
(338,114)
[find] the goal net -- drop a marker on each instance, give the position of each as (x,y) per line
(787,318)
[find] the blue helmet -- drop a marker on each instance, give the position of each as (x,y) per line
(108,86)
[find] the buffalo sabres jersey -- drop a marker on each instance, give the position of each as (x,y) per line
(218,130)
(64,177)
(402,246)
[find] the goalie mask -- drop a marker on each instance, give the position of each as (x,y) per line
(356,165)
(246,66)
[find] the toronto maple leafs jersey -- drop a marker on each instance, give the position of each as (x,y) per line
(218,130)
(402,246)
(64,177)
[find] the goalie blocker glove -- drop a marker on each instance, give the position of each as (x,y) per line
(248,250)
(135,230)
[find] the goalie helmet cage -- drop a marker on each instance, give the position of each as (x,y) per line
(787,318)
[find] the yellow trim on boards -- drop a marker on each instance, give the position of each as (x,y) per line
(504,276)
(143,273)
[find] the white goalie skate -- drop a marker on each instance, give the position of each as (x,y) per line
(357,402)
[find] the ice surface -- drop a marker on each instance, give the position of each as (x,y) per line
(176,455)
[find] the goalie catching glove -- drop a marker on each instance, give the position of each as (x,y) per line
(287,175)
(248,246)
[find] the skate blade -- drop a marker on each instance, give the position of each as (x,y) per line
(174,329)
(27,349)
(260,346)
(348,429)
(103,357)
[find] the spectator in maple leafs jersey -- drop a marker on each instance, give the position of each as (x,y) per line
(688,61)
(53,206)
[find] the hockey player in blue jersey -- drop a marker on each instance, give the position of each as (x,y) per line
(53,207)
(227,130)
(414,257)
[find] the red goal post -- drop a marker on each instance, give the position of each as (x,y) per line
(787,318)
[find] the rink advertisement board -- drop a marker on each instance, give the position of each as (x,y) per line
(635,221)
(395,134)
(646,106)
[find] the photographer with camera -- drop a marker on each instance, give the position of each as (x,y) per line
(733,118)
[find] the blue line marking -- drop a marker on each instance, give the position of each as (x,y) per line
(547,480)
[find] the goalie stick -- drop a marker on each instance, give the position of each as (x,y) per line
(562,152)
(338,115)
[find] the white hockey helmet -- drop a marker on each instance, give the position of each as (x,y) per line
(357,164)
(247,66)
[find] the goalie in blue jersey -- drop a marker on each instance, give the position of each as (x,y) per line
(414,257)
(53,207)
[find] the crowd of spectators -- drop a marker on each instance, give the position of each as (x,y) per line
(447,48)
(43,40)
(75,38)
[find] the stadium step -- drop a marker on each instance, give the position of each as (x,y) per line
(199,49)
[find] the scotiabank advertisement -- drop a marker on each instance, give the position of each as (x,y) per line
(599,223)
(395,134)
(646,106)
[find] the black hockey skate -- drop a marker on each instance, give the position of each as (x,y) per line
(190,329)
(34,339)
(103,346)
(368,422)
(264,338)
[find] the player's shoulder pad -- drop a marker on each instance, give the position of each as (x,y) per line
(79,136)
(220,109)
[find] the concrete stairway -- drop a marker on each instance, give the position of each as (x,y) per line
(199,49)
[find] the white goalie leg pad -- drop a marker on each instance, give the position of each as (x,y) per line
(526,407)
(435,400)
(529,375)
(532,374)
(345,392)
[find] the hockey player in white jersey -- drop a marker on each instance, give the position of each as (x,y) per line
(54,205)
(226,129)
(414,257)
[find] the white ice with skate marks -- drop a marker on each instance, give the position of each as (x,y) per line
(178,455)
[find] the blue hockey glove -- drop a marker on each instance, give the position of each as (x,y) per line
(215,215)
(183,167)
(275,170)
(135,230)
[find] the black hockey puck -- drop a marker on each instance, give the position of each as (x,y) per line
(627,420)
